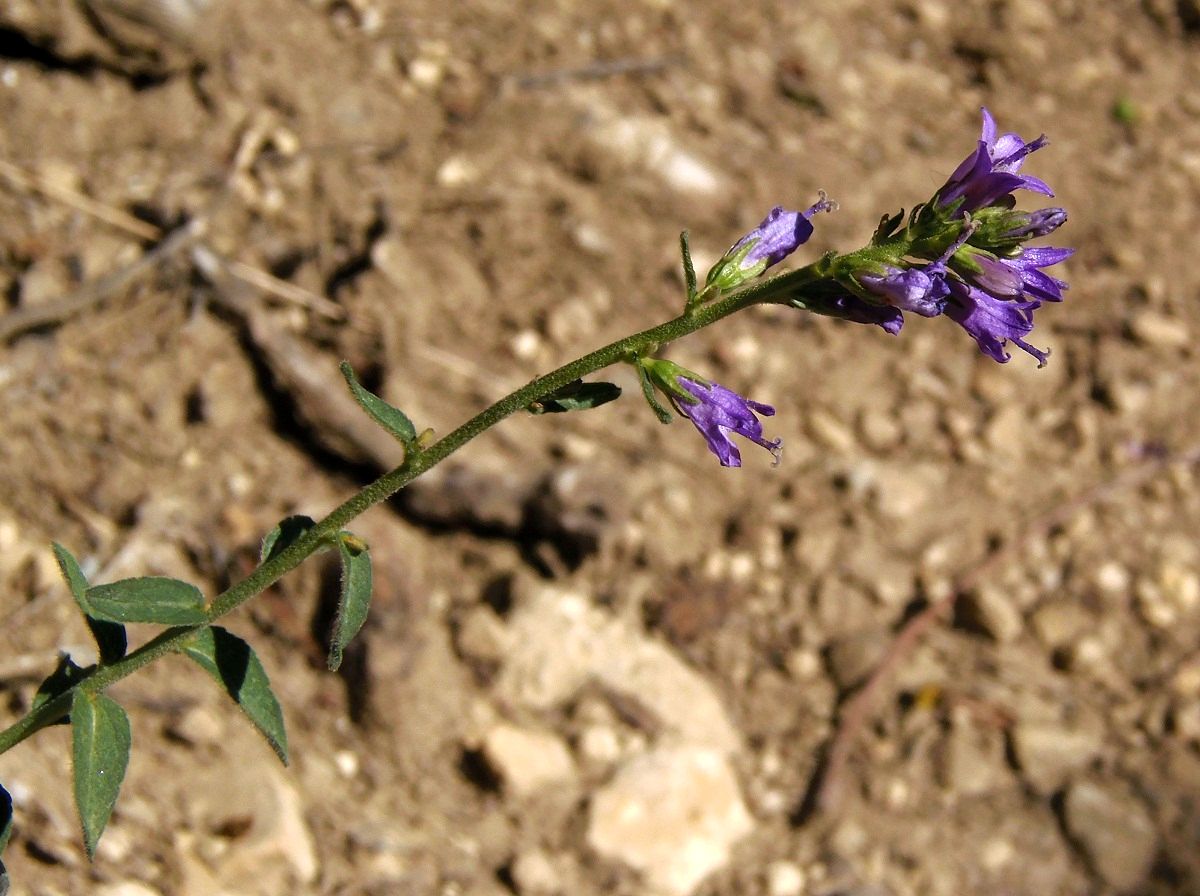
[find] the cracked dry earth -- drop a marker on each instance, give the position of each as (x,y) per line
(596,662)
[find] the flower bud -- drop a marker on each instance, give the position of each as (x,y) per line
(780,234)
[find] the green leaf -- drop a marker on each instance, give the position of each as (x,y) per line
(284,535)
(390,418)
(664,416)
(149,599)
(65,675)
(235,666)
(355,599)
(101,742)
(887,226)
(6,820)
(109,636)
(576,396)
(689,270)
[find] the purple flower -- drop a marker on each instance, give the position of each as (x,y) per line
(922,291)
(780,234)
(1037,285)
(995,303)
(717,412)
(991,321)
(989,175)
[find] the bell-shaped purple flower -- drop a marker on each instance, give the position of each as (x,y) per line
(718,412)
(990,174)
(1037,285)
(780,234)
(996,298)
(922,291)
(715,411)
(991,321)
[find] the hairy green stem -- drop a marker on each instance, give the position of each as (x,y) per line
(696,317)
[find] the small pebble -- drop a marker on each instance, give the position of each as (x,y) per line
(1152,328)
(785,879)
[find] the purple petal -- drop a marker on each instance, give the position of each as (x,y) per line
(1041,256)
(989,127)
(1035,185)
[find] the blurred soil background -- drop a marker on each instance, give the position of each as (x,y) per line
(597,663)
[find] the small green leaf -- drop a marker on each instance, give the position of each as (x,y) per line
(689,270)
(235,666)
(6,820)
(284,535)
(149,599)
(576,396)
(109,636)
(355,600)
(101,743)
(664,416)
(390,418)
(65,675)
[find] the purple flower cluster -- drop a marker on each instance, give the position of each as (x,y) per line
(986,281)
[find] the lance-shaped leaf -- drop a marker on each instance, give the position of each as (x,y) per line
(235,666)
(390,418)
(284,535)
(355,599)
(65,675)
(109,636)
(576,396)
(664,416)
(100,747)
(149,599)
(689,270)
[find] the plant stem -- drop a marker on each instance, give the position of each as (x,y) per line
(417,462)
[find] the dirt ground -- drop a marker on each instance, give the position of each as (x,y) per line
(597,662)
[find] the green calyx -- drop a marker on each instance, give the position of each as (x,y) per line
(664,375)
(728,273)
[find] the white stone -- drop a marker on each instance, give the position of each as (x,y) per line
(785,879)
(126,888)
(1114,830)
(600,744)
(649,144)
(561,642)
(535,875)
(1152,328)
(1112,577)
(346,762)
(672,814)
(527,760)
(1048,753)
(457,171)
